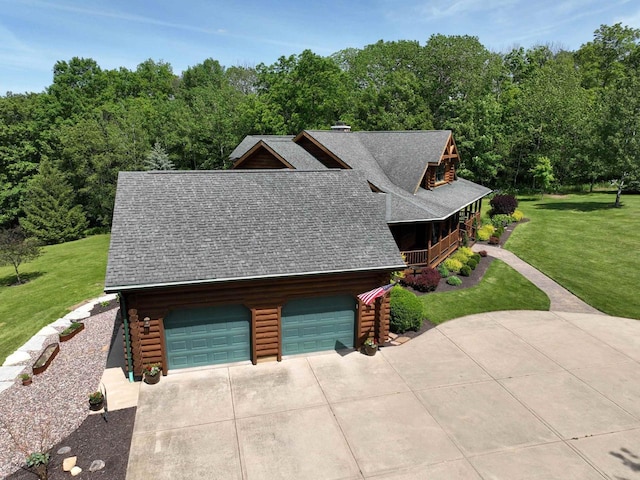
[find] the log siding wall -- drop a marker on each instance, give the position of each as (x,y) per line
(264,298)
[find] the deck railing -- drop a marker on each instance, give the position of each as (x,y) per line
(434,255)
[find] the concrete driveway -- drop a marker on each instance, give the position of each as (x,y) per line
(505,395)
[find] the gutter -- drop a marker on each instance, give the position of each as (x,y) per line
(121,288)
(127,337)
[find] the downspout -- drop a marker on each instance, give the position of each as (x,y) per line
(127,337)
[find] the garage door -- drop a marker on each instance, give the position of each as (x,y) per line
(204,336)
(315,324)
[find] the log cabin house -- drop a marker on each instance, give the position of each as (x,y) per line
(228,266)
(429,208)
(267,259)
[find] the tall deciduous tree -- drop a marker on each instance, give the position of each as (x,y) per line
(51,214)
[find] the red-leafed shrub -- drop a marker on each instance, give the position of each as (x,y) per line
(426,281)
(503,205)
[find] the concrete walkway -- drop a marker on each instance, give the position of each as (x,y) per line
(562,300)
(501,395)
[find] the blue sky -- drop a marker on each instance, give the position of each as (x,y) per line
(34,34)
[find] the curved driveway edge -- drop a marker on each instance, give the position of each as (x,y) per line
(501,395)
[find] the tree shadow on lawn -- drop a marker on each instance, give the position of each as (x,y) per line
(12,280)
(575,206)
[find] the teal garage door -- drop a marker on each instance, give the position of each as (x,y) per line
(204,336)
(315,324)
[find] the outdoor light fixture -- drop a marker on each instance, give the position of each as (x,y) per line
(147,324)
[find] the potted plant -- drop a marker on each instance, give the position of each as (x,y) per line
(152,373)
(370,346)
(26,379)
(96,401)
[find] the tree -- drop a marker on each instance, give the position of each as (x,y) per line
(158,159)
(51,214)
(543,174)
(16,249)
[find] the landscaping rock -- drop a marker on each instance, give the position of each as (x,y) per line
(16,358)
(63,450)
(96,465)
(68,463)
(75,471)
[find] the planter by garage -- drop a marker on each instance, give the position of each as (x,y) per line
(45,358)
(71,332)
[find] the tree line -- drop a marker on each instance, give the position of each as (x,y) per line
(538,113)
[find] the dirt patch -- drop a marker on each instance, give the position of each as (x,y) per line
(104,306)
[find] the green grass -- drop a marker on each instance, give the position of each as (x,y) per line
(501,288)
(587,246)
(62,277)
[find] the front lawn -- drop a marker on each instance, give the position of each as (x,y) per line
(62,277)
(501,288)
(587,246)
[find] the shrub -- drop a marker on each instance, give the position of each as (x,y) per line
(465,251)
(517,215)
(499,231)
(408,280)
(460,257)
(465,271)
(427,281)
(476,257)
(472,264)
(482,253)
(503,204)
(443,271)
(485,232)
(455,281)
(407,312)
(501,220)
(452,265)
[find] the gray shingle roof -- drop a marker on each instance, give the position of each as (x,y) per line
(283,145)
(172,228)
(395,162)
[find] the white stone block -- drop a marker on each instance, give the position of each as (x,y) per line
(16,357)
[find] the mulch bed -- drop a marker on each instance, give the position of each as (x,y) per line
(99,308)
(95,439)
(467,282)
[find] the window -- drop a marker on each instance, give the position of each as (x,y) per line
(440,171)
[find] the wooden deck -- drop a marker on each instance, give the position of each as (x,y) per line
(435,254)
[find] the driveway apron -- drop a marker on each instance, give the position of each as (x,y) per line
(502,395)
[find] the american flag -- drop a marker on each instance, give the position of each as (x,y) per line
(368,297)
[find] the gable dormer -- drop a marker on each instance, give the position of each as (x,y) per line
(261,156)
(444,171)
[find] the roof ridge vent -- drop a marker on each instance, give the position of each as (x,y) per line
(340,127)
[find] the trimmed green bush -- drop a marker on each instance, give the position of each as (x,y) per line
(462,258)
(472,264)
(407,311)
(476,257)
(517,215)
(443,271)
(452,265)
(465,251)
(485,232)
(465,271)
(455,281)
(502,220)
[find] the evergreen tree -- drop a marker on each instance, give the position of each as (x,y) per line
(158,159)
(51,215)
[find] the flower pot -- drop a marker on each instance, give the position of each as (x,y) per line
(370,350)
(152,379)
(27,381)
(94,407)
